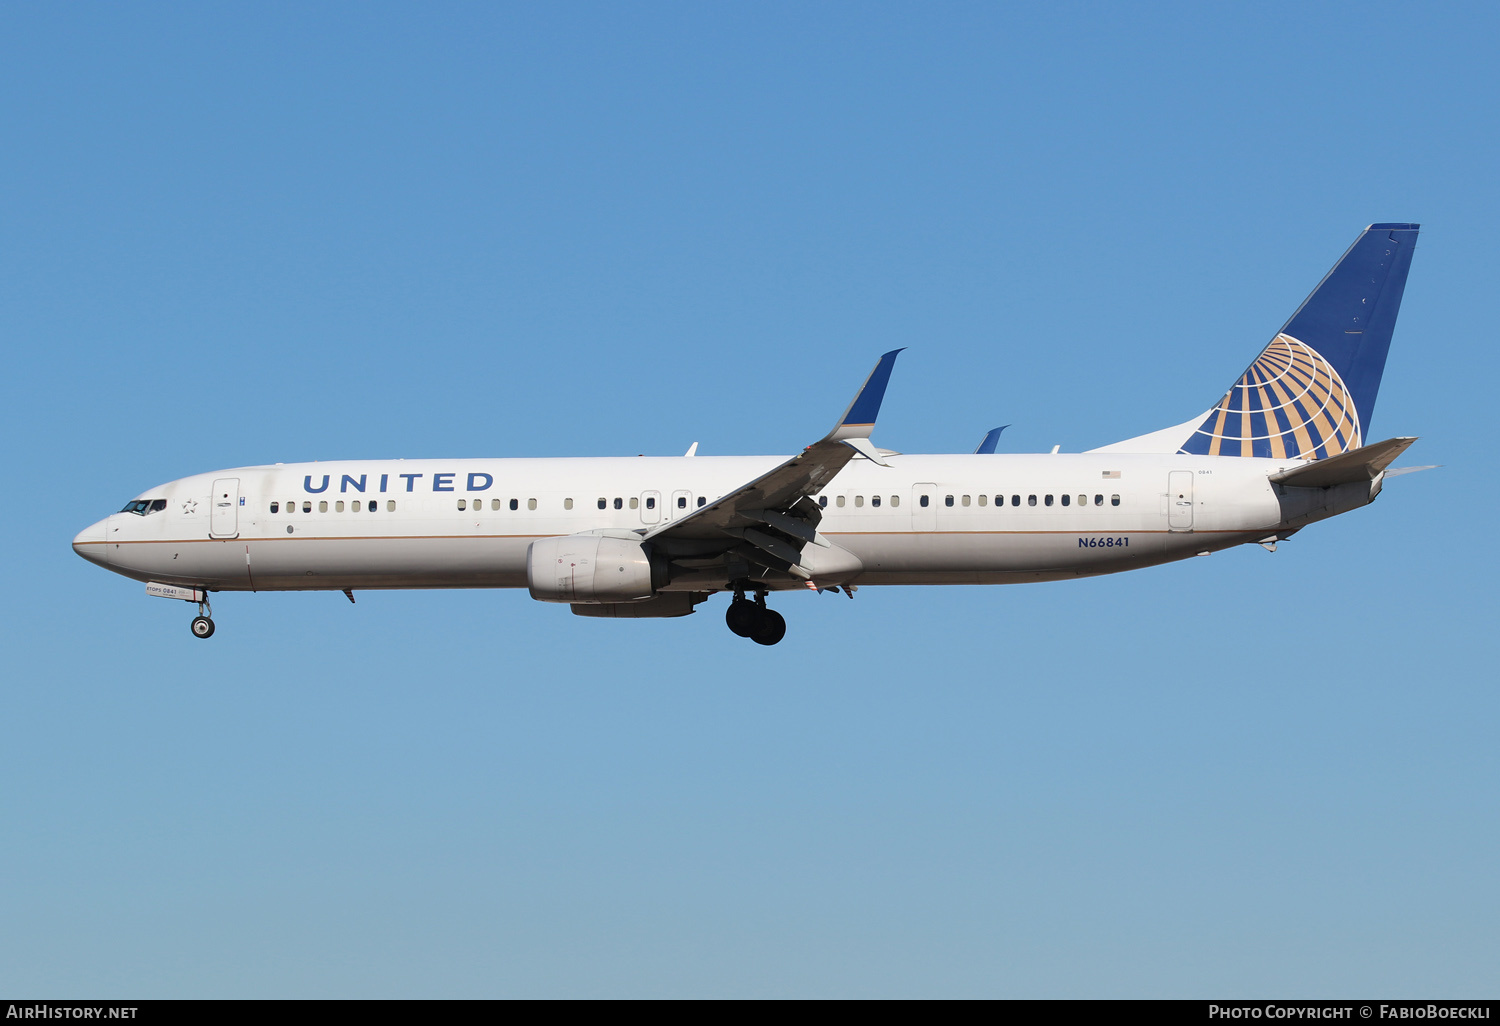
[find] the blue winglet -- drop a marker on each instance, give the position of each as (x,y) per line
(859,419)
(987,446)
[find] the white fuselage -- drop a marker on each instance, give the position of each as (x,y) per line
(987,519)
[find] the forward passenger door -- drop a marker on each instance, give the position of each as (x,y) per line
(224,508)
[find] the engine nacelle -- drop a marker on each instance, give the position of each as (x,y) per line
(589,568)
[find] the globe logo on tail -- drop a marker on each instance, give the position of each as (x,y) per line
(1290,404)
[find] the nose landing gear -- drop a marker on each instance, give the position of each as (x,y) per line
(203,627)
(754,620)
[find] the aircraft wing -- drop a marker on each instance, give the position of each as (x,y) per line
(771,514)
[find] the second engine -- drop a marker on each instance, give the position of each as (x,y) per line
(589,568)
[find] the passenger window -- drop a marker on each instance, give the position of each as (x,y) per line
(859,500)
(1048,500)
(354,506)
(682,502)
(531,504)
(1066,499)
(1114,500)
(895,500)
(1098,500)
(306,506)
(1015,500)
(874,500)
(635,503)
(323,506)
(1031,500)
(390,505)
(567,504)
(839,502)
(965,500)
(603,503)
(922,502)
(948,500)
(650,502)
(1083,500)
(619,502)
(495,504)
(823,501)
(983,499)
(461,504)
(701,501)
(275,507)
(338,507)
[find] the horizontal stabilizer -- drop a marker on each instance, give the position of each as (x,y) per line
(1363,464)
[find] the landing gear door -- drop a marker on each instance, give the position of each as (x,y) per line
(224,505)
(1180,500)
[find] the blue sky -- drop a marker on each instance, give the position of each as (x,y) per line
(236,234)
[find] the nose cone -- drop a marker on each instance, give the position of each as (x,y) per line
(90,543)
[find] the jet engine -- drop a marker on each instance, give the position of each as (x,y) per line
(593,568)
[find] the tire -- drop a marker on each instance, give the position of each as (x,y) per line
(203,627)
(740,618)
(770,627)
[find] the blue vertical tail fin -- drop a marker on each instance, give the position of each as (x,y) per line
(1310,393)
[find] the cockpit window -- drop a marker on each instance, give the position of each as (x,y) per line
(141,507)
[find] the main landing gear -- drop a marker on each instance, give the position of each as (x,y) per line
(754,620)
(203,627)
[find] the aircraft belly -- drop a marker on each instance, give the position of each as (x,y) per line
(1018,559)
(303,563)
(430,562)
(182,562)
(990,553)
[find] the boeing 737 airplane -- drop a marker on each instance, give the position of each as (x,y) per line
(654,537)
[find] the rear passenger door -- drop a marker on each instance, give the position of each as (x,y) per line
(1180,500)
